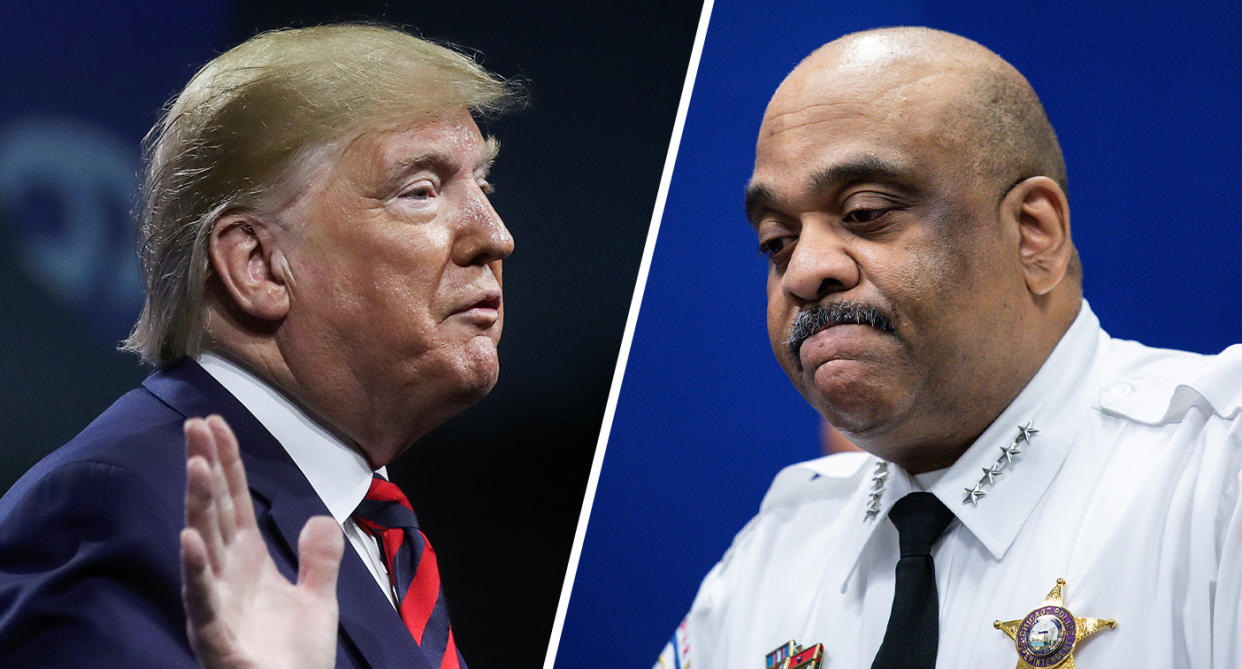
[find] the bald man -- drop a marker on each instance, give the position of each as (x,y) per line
(1031,490)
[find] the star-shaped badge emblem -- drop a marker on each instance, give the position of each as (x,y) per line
(1009,451)
(1046,637)
(1025,432)
(973,495)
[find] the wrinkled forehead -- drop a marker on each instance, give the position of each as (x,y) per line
(369,153)
(876,86)
(452,132)
(872,101)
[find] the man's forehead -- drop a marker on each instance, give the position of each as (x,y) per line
(845,88)
(378,155)
(882,65)
(825,115)
(447,138)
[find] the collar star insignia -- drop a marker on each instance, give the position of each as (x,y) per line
(973,495)
(1009,451)
(990,474)
(1046,637)
(877,490)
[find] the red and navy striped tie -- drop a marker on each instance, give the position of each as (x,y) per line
(386,514)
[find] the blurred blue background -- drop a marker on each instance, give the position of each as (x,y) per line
(499,488)
(1146,99)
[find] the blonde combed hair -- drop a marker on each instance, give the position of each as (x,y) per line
(248,120)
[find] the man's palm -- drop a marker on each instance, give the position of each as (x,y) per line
(241,612)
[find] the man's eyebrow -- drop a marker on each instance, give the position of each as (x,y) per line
(864,168)
(422,160)
(758,199)
(441,159)
(491,149)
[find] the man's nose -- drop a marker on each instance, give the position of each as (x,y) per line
(820,264)
(483,238)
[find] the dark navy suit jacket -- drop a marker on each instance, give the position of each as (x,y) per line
(89,570)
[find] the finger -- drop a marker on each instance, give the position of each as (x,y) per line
(234,472)
(200,447)
(196,579)
(225,510)
(198,439)
(200,600)
(320,546)
(200,510)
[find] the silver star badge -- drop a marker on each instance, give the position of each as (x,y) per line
(973,495)
(990,474)
(877,490)
(1010,451)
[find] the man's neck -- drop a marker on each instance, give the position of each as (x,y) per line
(939,443)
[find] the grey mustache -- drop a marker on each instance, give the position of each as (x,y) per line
(816,317)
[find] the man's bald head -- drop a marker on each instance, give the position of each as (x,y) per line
(989,113)
(996,109)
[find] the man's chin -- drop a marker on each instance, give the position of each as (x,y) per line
(477,369)
(841,378)
(482,384)
(848,394)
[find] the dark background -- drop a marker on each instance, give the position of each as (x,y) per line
(1146,98)
(498,489)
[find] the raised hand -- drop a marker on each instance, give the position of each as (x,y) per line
(241,612)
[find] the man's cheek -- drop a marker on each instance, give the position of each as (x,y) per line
(777,336)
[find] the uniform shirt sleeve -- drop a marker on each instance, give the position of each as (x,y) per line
(1202,400)
(1227,598)
(676,653)
(698,640)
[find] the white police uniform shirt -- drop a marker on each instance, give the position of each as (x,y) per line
(1129,491)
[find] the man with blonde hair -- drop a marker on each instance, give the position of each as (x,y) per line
(323,278)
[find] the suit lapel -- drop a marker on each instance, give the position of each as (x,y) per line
(284,500)
(369,624)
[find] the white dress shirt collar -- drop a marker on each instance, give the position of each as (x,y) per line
(1045,405)
(996,518)
(338,473)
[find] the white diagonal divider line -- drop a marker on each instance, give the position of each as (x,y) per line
(640,285)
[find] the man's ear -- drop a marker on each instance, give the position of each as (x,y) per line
(250,265)
(1040,210)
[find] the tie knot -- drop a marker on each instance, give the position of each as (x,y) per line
(385,507)
(920,519)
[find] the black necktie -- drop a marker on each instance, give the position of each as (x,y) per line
(914,623)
